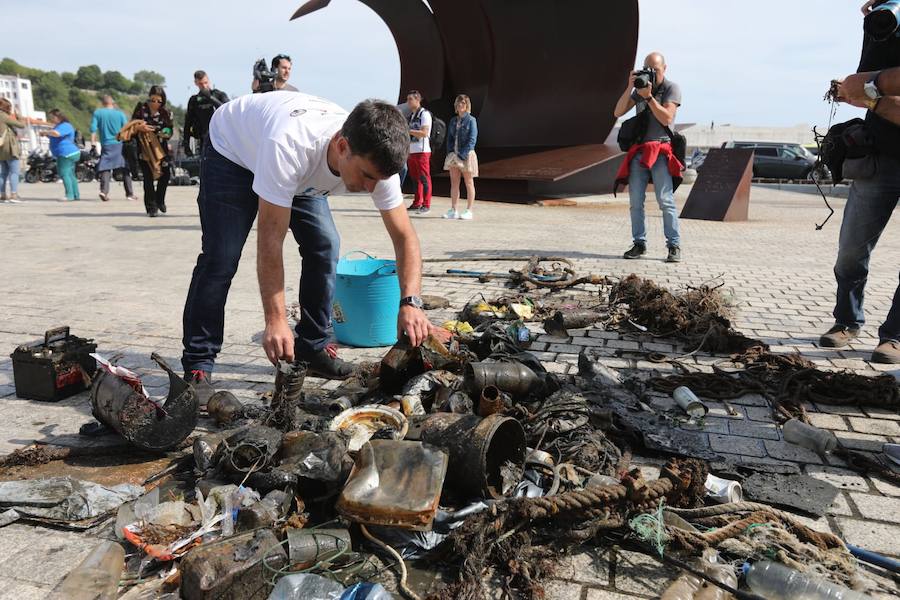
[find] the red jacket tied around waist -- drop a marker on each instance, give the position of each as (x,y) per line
(650,152)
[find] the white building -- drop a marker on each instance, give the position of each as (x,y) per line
(19,92)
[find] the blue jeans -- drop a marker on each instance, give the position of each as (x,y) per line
(9,171)
(638,179)
(228,208)
(869,208)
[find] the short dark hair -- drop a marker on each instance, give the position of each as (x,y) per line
(157,90)
(199,74)
(376,130)
(276,60)
(59,115)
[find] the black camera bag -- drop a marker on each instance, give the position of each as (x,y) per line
(632,131)
(848,140)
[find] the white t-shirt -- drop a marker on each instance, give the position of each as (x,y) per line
(282,138)
(420,120)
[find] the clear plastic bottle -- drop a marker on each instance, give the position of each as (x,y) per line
(96,577)
(775,581)
(810,437)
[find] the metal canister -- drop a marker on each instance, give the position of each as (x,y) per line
(689,402)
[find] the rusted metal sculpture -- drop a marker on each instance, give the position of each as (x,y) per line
(543,77)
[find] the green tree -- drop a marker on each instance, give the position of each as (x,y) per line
(89,77)
(149,78)
(138,88)
(116,81)
(68,78)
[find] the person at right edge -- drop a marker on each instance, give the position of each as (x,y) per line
(874,192)
(651,157)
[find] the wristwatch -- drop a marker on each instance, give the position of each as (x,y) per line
(871,87)
(414,301)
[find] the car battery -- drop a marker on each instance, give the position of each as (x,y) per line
(54,369)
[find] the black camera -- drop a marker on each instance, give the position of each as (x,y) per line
(646,77)
(883,20)
(264,76)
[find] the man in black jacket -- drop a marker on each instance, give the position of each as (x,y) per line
(873,197)
(200,110)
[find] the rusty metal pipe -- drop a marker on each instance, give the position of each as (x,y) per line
(478,449)
(491,401)
(140,420)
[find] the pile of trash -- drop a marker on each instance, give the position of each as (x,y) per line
(463,454)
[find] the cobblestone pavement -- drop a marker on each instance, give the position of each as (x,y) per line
(113,274)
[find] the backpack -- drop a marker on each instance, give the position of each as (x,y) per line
(438,133)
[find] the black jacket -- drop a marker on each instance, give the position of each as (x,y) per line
(200,110)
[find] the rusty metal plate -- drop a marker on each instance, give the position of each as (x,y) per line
(549,165)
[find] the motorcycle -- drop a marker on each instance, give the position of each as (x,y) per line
(86,169)
(41,167)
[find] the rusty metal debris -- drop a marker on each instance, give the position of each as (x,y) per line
(142,421)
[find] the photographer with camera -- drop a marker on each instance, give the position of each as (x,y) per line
(647,137)
(265,80)
(875,171)
(200,109)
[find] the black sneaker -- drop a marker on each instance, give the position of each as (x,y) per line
(674,254)
(202,383)
(327,365)
(636,251)
(162,207)
(414,207)
(424,210)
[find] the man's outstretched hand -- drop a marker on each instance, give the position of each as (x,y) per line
(413,322)
(278,341)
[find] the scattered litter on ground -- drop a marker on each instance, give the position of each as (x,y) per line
(463,453)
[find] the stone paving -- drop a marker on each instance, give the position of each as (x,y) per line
(113,274)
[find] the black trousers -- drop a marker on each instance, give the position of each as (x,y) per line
(154,197)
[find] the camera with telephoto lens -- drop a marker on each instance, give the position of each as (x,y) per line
(264,76)
(646,77)
(883,20)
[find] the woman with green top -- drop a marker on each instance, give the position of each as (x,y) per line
(155,114)
(9,152)
(63,148)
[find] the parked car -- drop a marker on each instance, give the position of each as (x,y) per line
(782,160)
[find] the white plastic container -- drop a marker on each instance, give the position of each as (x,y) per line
(689,402)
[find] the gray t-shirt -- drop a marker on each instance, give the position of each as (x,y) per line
(668,91)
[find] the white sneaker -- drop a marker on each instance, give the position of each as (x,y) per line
(466,215)
(14,200)
(451,214)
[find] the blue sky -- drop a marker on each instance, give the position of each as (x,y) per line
(744,63)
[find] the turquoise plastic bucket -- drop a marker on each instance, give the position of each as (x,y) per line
(366,301)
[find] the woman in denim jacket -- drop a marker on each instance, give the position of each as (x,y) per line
(462,133)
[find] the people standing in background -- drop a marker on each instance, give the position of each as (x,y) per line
(419,161)
(64,150)
(461,161)
(200,109)
(154,113)
(9,152)
(105,124)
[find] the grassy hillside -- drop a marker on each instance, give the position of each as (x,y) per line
(78,94)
